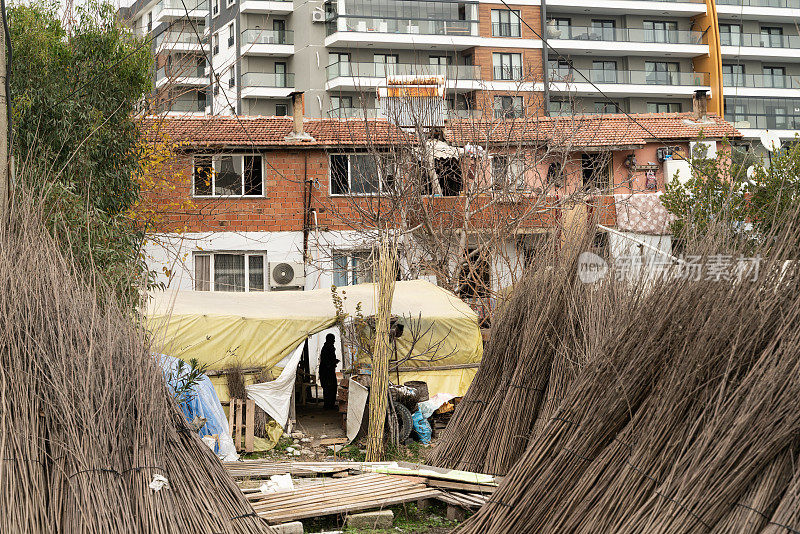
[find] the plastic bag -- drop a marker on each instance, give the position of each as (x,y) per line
(421,426)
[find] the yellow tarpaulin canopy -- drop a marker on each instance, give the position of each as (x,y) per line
(260,329)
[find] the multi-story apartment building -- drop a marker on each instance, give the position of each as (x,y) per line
(531,57)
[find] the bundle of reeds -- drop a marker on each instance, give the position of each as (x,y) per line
(685,419)
(87,427)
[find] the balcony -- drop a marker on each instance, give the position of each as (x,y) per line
(274,7)
(354,113)
(401,33)
(267,84)
(181,75)
(260,42)
(790,4)
(168,10)
(181,41)
(627,41)
(761,46)
(761,85)
(348,76)
(676,8)
(628,82)
(186,106)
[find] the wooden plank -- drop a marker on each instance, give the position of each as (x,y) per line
(460,486)
(237,441)
(249,426)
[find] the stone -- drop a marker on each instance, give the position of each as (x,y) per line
(373,520)
(295,527)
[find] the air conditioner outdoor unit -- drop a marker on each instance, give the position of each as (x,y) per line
(318,15)
(286,275)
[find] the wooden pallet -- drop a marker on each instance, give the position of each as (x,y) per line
(241,421)
(339,496)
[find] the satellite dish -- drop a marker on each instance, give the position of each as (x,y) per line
(771,141)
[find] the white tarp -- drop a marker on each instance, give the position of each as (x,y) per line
(357,396)
(275,397)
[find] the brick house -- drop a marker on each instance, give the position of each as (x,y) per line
(240,196)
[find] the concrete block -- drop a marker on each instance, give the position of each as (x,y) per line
(295,527)
(378,519)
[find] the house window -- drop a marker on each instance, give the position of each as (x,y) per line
(475,277)
(659,31)
(231,35)
(352,267)
(229,271)
(505,23)
(732,74)
(281,110)
(228,175)
(772,37)
(555,174)
(730,34)
(508,173)
(663,107)
(357,174)
(149,22)
(604,72)
(232,77)
(600,245)
(507,66)
(661,72)
(215,44)
(508,107)
(214,8)
(595,169)
(229,3)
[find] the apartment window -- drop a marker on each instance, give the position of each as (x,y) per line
(281,110)
(560,107)
(730,34)
(663,107)
(561,70)
(342,62)
(231,77)
(604,72)
(385,65)
(439,64)
(149,22)
(216,88)
(604,108)
(338,102)
(229,271)
(659,31)
(732,75)
(661,72)
(214,8)
(231,35)
(508,107)
(475,277)
(357,174)
(559,28)
(215,44)
(352,267)
(772,37)
(201,101)
(279,29)
(280,74)
(603,30)
(595,170)
(507,66)
(228,175)
(505,23)
(774,77)
(508,173)
(229,3)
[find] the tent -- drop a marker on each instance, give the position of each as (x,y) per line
(261,329)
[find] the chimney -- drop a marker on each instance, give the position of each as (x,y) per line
(298,111)
(700,105)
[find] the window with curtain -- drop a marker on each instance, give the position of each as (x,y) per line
(505,23)
(230,271)
(660,31)
(507,66)
(661,72)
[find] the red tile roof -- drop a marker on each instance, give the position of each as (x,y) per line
(585,131)
(271,131)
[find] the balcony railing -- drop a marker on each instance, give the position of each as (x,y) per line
(761,81)
(764,121)
(506,29)
(186,36)
(181,71)
(259,36)
(186,5)
(628,35)
(186,106)
(632,77)
(404,26)
(268,79)
(353,113)
(795,4)
(382,70)
(759,40)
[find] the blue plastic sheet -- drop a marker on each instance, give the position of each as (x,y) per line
(421,426)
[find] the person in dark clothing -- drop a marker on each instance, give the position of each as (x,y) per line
(327,371)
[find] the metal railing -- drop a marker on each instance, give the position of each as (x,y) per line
(761,81)
(764,121)
(185,106)
(629,35)
(353,113)
(267,79)
(632,77)
(795,4)
(507,73)
(506,29)
(404,26)
(186,5)
(187,36)
(382,70)
(259,36)
(759,40)
(181,71)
